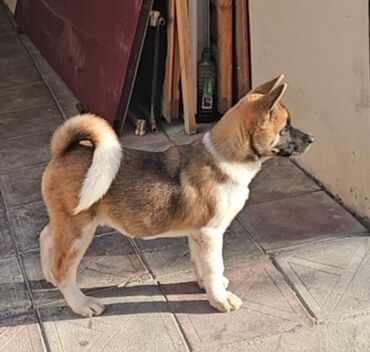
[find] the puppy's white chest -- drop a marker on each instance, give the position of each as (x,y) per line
(232,195)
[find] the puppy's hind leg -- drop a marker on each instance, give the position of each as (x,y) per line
(68,254)
(47,253)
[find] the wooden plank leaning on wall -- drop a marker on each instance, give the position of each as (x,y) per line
(243,83)
(224,34)
(186,67)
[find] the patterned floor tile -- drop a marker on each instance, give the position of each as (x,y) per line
(169,259)
(21,334)
(24,97)
(135,319)
(25,151)
(13,296)
(279,178)
(165,242)
(12,52)
(15,75)
(42,65)
(27,223)
(69,107)
(6,241)
(269,306)
(308,217)
(333,278)
(30,121)
(61,90)
(2,205)
(22,186)
(110,261)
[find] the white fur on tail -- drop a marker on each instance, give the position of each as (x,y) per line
(106,159)
(104,167)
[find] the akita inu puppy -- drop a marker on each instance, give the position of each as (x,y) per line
(193,190)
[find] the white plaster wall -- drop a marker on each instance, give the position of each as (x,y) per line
(323,48)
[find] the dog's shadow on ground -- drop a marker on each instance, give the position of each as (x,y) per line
(179,298)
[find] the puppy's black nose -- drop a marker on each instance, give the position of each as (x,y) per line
(309,138)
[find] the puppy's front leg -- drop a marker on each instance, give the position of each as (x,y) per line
(209,255)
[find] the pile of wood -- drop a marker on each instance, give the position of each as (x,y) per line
(229,31)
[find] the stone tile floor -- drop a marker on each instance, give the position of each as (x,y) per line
(300,261)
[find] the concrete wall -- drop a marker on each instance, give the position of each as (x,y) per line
(323,48)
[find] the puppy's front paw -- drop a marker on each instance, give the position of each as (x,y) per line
(226,302)
(88,307)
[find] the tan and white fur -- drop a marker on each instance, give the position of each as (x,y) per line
(194,190)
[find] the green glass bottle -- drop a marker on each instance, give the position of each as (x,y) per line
(206,88)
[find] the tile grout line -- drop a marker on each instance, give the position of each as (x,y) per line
(27,135)
(337,198)
(156,279)
(181,330)
(43,336)
(43,77)
(312,316)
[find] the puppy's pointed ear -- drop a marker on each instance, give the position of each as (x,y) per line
(268,86)
(269,101)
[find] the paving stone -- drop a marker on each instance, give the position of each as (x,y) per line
(350,335)
(6,28)
(21,334)
(2,207)
(30,121)
(61,90)
(27,222)
(13,296)
(24,97)
(110,261)
(169,259)
(177,134)
(165,242)
(28,43)
(69,107)
(16,75)
(269,307)
(279,178)
(333,278)
(43,66)
(130,140)
(12,52)
(25,151)
(6,241)
(3,17)
(308,217)
(135,319)
(22,186)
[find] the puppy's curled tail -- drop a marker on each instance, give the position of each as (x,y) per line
(107,154)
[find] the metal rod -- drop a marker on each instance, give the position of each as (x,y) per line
(156,21)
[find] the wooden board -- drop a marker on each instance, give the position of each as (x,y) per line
(175,101)
(186,68)
(242,47)
(167,97)
(224,15)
